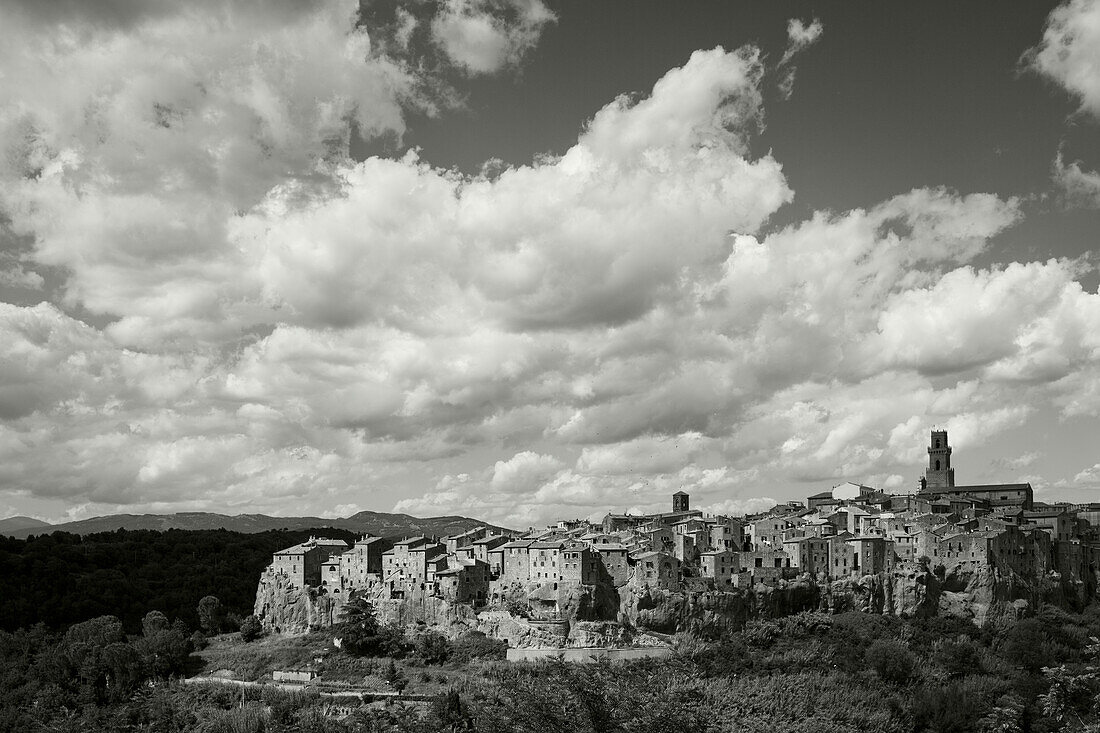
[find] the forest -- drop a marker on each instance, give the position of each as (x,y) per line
(808,672)
(60,579)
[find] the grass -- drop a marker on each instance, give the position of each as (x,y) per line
(255,661)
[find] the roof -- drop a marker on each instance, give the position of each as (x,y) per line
(492,538)
(411,541)
(609,547)
(517,543)
(975,488)
(680,493)
(548,545)
(822,495)
(312,544)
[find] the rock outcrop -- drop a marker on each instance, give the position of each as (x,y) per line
(575,615)
(287,609)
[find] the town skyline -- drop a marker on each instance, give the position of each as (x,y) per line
(525,260)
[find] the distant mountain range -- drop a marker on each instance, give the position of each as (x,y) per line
(375,523)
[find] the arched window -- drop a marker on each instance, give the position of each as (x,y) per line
(937,465)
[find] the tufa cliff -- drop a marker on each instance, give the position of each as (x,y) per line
(535,615)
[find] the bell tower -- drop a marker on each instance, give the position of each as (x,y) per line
(939,475)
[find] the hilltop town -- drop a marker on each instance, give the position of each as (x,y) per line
(943,535)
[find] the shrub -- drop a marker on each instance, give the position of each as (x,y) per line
(433,647)
(198,641)
(891,661)
(476,645)
(251,629)
(959,657)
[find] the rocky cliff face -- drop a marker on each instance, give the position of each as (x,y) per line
(285,609)
(544,616)
(908,591)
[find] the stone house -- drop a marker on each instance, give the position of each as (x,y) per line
(721,566)
(768,532)
(809,554)
(656,570)
(726,533)
(1060,524)
(579,564)
(683,547)
(517,560)
(468,582)
(484,546)
(406,565)
(545,558)
(767,557)
(362,563)
(302,563)
(614,557)
(872,554)
(453,542)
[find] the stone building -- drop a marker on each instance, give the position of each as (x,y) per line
(545,558)
(721,566)
(517,560)
(468,582)
(809,554)
(656,570)
(362,563)
(579,564)
(615,563)
(405,567)
(301,564)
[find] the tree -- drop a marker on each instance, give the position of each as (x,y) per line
(359,611)
(251,629)
(450,712)
(396,678)
(211,615)
(153,622)
(433,647)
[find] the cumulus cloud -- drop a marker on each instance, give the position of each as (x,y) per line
(1079,186)
(280,328)
(1069,53)
(800,36)
(1089,476)
(484,36)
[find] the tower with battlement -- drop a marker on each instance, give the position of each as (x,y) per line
(939,474)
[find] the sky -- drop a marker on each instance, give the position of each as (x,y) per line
(524,260)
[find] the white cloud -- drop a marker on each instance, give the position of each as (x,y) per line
(484,36)
(1079,186)
(799,37)
(1069,53)
(293,332)
(1090,476)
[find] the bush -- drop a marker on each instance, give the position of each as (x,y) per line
(891,661)
(251,629)
(1026,644)
(198,641)
(476,645)
(958,657)
(433,647)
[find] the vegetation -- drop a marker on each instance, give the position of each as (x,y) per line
(62,579)
(808,672)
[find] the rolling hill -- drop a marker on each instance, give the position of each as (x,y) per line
(376,523)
